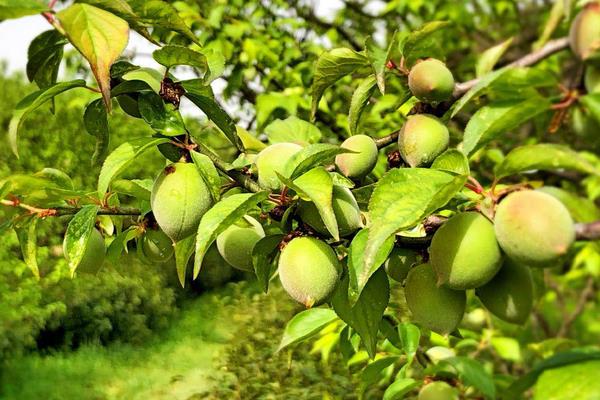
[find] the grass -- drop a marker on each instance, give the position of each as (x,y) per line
(181,363)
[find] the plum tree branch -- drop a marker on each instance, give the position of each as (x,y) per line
(461,88)
(61,211)
(585,295)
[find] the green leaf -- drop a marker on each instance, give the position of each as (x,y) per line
(360,99)
(33,101)
(183,251)
(130,87)
(119,244)
(364,317)
(163,118)
(402,198)
(121,157)
(292,129)
(219,217)
(424,42)
(574,356)
(264,253)
(477,90)
(312,156)
(99,36)
(410,335)
(170,56)
(472,373)
(216,65)
(78,232)
(359,275)
(151,76)
(158,13)
(306,324)
(507,348)
(122,67)
(95,120)
(399,388)
(57,177)
(138,188)
(378,58)
(332,66)
(592,103)
(497,118)
(544,156)
(581,209)
(452,160)
(490,57)
(575,381)
(372,372)
(209,174)
(27,236)
(44,55)
(20,8)
(249,141)
(318,186)
(216,114)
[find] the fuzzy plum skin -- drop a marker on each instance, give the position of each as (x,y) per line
(431,81)
(438,390)
(157,246)
(236,243)
(584,35)
(592,79)
(464,252)
(437,308)
(534,228)
(309,270)
(509,295)
(422,138)
(361,163)
(273,160)
(400,262)
(179,199)
(345,209)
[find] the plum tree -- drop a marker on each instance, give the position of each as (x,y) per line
(534,228)
(584,35)
(156,245)
(437,308)
(309,270)
(464,252)
(179,199)
(272,160)
(93,257)
(591,79)
(422,138)
(345,209)
(431,81)
(236,243)
(400,261)
(438,390)
(361,163)
(509,295)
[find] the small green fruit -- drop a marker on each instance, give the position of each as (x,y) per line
(179,199)
(236,243)
(534,228)
(309,270)
(584,35)
(509,295)
(94,254)
(345,209)
(437,308)
(215,271)
(361,163)
(157,246)
(464,252)
(431,81)
(438,390)
(273,160)
(422,138)
(400,262)
(592,79)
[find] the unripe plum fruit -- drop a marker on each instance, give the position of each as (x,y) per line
(509,295)
(157,246)
(273,159)
(437,308)
(345,209)
(179,199)
(236,242)
(438,390)
(309,270)
(464,252)
(584,35)
(431,81)
(93,257)
(400,261)
(361,163)
(215,271)
(534,228)
(422,138)
(592,79)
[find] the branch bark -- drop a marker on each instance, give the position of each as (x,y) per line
(585,295)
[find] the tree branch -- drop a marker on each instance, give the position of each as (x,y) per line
(61,211)
(585,295)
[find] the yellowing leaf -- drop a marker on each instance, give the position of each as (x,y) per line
(99,36)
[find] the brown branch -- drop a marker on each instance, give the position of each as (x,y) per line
(61,211)
(460,89)
(590,231)
(585,295)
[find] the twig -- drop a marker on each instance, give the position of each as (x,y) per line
(585,295)
(61,211)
